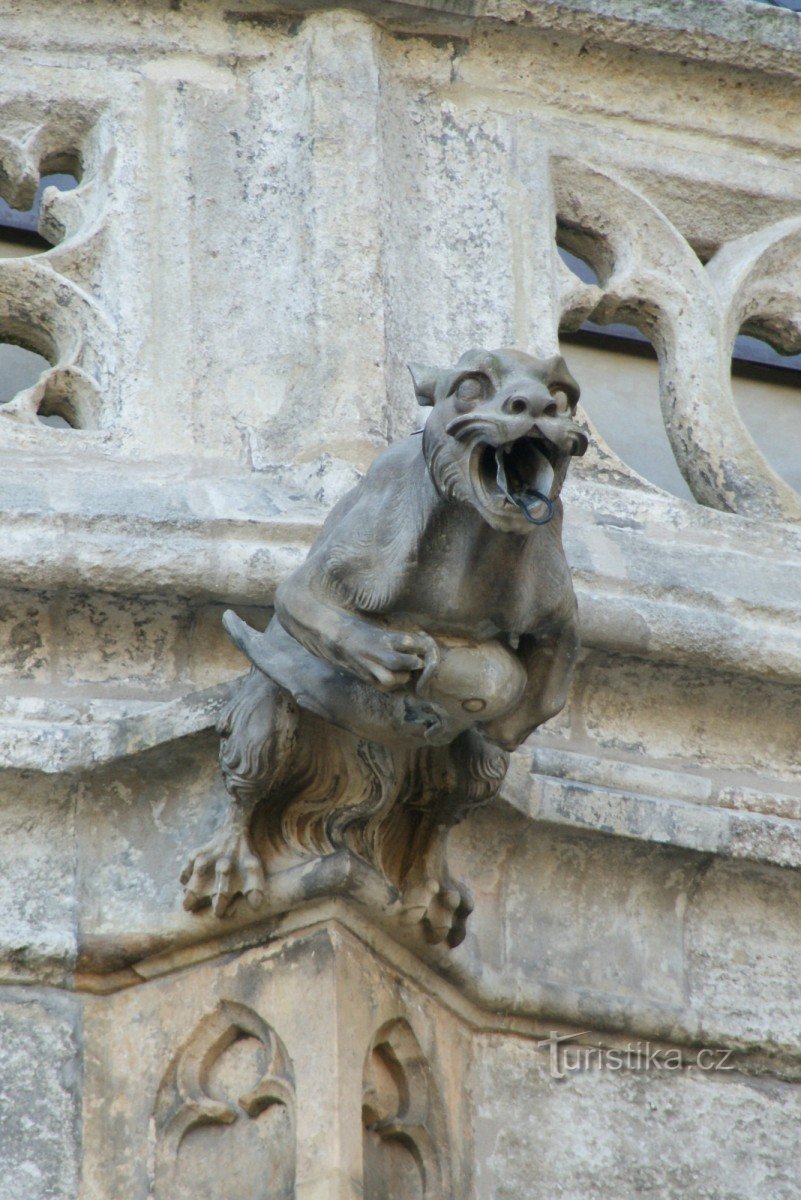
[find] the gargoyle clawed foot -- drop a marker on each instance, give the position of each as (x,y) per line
(222,871)
(441,907)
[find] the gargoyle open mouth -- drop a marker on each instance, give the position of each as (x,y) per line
(520,474)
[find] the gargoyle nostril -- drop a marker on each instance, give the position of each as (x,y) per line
(518,406)
(550,410)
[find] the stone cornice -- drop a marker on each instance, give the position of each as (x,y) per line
(741,33)
(640,558)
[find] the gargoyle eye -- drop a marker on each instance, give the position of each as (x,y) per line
(560,397)
(471,388)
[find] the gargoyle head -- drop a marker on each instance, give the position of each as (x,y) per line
(501,434)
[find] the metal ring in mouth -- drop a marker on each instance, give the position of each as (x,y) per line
(522,504)
(521,500)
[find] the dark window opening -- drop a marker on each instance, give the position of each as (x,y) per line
(55,421)
(755,359)
(579,266)
(703,251)
(620,394)
(19,370)
(626,339)
(752,358)
(772,414)
(792,5)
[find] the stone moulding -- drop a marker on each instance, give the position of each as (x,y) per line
(544,783)
(738,32)
(65,737)
(627,549)
(484,997)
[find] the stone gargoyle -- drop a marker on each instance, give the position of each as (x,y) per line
(430,630)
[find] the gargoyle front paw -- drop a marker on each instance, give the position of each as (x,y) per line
(441,908)
(219,873)
(386,657)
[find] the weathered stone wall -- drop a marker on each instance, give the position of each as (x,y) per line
(276,211)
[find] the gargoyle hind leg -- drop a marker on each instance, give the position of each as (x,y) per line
(466,775)
(258,731)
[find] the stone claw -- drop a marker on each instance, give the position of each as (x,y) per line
(441,909)
(219,873)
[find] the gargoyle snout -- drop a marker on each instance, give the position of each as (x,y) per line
(530,402)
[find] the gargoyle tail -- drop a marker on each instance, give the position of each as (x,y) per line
(238,631)
(254,645)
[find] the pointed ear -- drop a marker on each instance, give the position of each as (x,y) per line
(425,380)
(559,376)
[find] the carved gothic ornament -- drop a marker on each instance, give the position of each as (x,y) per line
(651,277)
(430,630)
(45,303)
(232,1071)
(406,1151)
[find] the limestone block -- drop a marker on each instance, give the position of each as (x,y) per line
(740,957)
(625,1133)
(662,942)
(697,716)
(37,883)
(136,823)
(604,914)
(108,639)
(211,656)
(26,645)
(40,1083)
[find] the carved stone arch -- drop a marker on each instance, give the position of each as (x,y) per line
(690,313)
(756,279)
(37,139)
(223,1121)
(592,224)
(43,312)
(406,1154)
(46,304)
